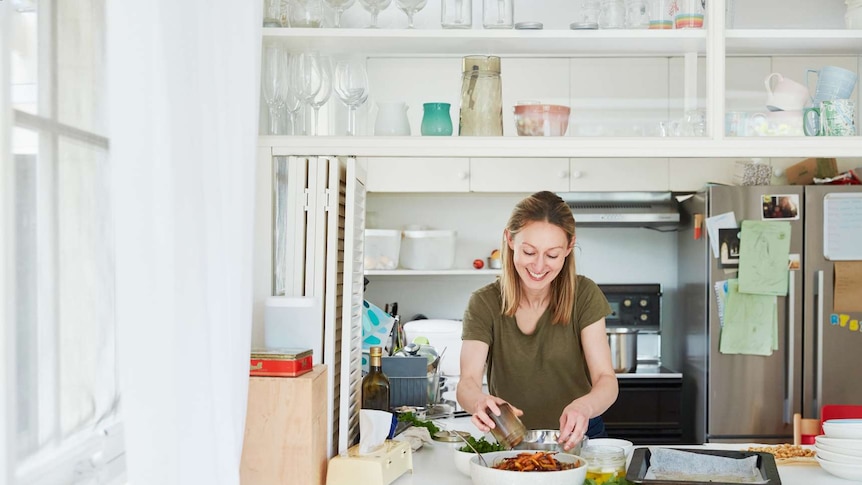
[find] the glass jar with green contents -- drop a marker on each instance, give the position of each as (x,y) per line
(605,465)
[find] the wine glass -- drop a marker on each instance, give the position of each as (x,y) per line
(375,7)
(410,7)
(290,101)
(273,82)
(339,6)
(305,76)
(325,91)
(351,87)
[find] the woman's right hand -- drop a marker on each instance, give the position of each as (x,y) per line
(488,403)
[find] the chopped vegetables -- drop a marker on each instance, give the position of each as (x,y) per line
(414,421)
(482,445)
(539,461)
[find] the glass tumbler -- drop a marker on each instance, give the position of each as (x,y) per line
(436,120)
(689,14)
(456,14)
(498,14)
(612,14)
(305,13)
(508,430)
(636,14)
(660,14)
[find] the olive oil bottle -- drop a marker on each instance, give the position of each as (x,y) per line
(375,384)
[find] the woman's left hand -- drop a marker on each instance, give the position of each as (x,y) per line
(573,425)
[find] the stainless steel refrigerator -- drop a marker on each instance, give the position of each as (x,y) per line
(748,398)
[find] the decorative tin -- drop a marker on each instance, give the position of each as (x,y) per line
(280,362)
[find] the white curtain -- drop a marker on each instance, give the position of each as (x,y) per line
(183,79)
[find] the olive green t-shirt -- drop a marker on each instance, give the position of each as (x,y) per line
(543,372)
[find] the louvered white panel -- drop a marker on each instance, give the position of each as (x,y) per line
(296,226)
(351,344)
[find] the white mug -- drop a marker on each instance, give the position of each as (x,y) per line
(785,95)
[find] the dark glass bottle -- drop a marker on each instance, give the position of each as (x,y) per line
(375,384)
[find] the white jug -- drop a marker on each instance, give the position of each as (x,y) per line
(392,119)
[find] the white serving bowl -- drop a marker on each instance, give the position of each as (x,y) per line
(843,428)
(849,445)
(626,445)
(462,460)
(838,449)
(483,475)
(838,457)
(843,470)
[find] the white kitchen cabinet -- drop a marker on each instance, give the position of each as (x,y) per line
(418,174)
(618,174)
(519,175)
(689,174)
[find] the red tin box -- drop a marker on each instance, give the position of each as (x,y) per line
(280,362)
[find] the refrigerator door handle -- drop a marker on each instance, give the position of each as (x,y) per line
(791,350)
(818,345)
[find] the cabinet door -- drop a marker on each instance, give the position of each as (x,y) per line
(619,174)
(396,174)
(519,174)
(688,174)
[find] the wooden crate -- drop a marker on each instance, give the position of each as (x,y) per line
(285,430)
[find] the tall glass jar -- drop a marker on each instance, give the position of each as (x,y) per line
(498,14)
(456,14)
(481,97)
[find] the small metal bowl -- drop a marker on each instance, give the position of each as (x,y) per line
(545,439)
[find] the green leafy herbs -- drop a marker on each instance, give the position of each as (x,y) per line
(414,421)
(482,445)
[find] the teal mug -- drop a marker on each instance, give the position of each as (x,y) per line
(835,117)
(436,120)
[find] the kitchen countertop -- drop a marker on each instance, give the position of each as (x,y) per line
(650,371)
(433,464)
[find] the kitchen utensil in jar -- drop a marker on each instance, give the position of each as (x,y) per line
(481,97)
(456,14)
(498,14)
(436,120)
(508,430)
(392,119)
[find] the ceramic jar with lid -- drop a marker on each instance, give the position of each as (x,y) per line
(481,97)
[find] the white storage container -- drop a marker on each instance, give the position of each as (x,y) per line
(381,248)
(441,334)
(428,250)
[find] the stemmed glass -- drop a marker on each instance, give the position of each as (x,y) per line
(339,6)
(375,7)
(325,91)
(410,7)
(290,100)
(351,87)
(306,76)
(273,82)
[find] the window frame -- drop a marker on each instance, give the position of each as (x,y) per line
(95,450)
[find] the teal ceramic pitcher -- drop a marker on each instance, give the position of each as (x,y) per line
(436,120)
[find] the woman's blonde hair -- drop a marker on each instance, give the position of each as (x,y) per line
(541,207)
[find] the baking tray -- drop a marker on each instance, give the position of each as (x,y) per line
(641,460)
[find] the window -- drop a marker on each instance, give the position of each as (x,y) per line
(63,366)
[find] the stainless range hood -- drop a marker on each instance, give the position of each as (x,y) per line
(623,209)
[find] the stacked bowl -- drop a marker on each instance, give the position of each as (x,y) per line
(839,449)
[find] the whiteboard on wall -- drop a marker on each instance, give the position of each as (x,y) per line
(842,227)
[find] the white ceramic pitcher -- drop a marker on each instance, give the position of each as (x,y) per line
(392,119)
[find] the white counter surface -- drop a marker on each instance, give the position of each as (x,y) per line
(433,464)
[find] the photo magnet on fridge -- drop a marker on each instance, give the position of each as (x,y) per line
(728,248)
(781,207)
